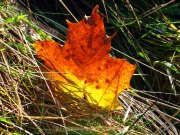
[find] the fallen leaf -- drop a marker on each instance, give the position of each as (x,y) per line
(84,63)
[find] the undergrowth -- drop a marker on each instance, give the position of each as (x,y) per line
(148,37)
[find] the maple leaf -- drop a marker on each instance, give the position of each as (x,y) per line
(85,65)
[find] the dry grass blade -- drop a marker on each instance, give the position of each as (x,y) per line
(147,111)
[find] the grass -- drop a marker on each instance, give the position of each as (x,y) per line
(148,37)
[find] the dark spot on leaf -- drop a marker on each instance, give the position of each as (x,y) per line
(107,81)
(99,68)
(82,47)
(97,87)
(73,55)
(67,50)
(106,66)
(67,57)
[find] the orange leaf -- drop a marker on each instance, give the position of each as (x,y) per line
(85,65)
